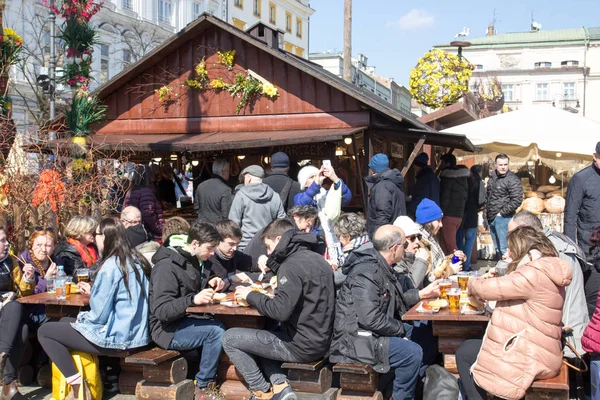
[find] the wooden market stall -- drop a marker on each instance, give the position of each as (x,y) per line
(177,100)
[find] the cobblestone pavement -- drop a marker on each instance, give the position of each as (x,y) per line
(37,393)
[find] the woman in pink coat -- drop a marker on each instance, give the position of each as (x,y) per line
(522,342)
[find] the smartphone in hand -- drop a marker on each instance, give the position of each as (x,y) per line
(327,163)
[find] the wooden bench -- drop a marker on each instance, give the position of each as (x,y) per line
(163,375)
(311,381)
(553,388)
(358,382)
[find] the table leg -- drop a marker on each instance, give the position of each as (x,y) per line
(450,336)
(232,385)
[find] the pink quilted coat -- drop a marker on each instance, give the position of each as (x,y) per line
(522,342)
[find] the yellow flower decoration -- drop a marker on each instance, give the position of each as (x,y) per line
(12,36)
(226,58)
(217,83)
(439,79)
(164,93)
(269,90)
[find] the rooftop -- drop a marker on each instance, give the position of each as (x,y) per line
(534,38)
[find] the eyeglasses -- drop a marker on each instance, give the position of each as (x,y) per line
(412,238)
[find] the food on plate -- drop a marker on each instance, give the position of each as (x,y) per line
(475,303)
(434,304)
(257,287)
(223,297)
(242,302)
(273,282)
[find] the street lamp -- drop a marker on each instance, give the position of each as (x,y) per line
(565,100)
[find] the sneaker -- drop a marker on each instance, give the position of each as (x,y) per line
(284,392)
(258,395)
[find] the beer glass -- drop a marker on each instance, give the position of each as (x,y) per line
(51,288)
(454,300)
(463,280)
(445,285)
(83,275)
(68,286)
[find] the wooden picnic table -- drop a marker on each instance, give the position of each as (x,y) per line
(451,329)
(233,317)
(56,308)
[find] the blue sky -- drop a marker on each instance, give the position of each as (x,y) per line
(394,34)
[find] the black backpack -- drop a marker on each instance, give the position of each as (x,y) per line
(439,384)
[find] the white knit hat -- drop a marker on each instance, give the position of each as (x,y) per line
(306,173)
(407,225)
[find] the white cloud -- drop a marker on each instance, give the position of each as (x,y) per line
(414,19)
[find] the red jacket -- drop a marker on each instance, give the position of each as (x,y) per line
(591,336)
(150,207)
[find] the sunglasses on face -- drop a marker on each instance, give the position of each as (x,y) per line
(44,229)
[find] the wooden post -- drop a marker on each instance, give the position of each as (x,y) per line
(348,40)
(361,181)
(413,155)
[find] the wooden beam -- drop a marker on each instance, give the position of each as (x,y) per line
(361,181)
(234,123)
(413,155)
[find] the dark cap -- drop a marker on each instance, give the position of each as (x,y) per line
(598,148)
(280,160)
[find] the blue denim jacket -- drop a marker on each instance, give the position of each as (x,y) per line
(115,320)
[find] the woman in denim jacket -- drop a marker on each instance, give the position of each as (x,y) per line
(118,316)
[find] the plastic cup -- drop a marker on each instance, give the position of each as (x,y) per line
(454,300)
(445,285)
(463,280)
(51,285)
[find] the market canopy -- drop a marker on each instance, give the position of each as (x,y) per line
(545,131)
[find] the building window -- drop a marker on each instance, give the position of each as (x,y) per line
(128,4)
(509,92)
(541,92)
(569,63)
(288,22)
(299,27)
(239,4)
(478,67)
(543,64)
(569,91)
(272,13)
(126,58)
(197,9)
(257,5)
(104,63)
(165,10)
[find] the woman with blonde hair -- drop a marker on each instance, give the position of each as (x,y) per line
(77,248)
(523,340)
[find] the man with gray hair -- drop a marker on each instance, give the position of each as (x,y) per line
(213,196)
(575,313)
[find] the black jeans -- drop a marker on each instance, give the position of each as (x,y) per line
(246,348)
(58,338)
(466,355)
(13,336)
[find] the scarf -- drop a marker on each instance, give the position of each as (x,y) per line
(351,245)
(223,256)
(88,253)
(437,254)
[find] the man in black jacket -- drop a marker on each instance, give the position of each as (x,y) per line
(228,263)
(386,199)
(369,305)
(279,180)
(181,278)
(582,211)
(504,196)
(304,303)
(453,199)
(213,196)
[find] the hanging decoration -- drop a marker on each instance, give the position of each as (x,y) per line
(439,79)
(488,92)
(78,37)
(247,86)
(11,45)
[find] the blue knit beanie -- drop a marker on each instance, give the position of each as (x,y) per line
(379,162)
(428,211)
(421,160)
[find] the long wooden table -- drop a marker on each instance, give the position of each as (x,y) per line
(56,308)
(233,317)
(451,329)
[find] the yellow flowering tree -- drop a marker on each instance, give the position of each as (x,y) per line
(439,79)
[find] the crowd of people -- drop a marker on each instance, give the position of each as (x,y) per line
(343,281)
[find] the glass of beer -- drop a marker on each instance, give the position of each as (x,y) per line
(463,280)
(454,300)
(83,275)
(445,285)
(68,286)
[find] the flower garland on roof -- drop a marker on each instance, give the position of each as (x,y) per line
(439,79)
(245,86)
